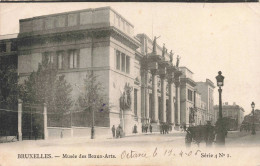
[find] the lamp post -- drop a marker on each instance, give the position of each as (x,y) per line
(253,127)
(220,132)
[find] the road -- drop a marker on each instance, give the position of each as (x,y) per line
(144,140)
(176,139)
(243,139)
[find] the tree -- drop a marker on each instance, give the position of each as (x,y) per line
(9,87)
(63,101)
(46,86)
(40,86)
(92,99)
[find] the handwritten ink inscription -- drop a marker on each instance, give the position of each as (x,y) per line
(131,154)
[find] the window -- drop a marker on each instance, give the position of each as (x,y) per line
(189,95)
(48,57)
(13,46)
(60,60)
(123,62)
(135,99)
(3,47)
(127,64)
(73,59)
(117,60)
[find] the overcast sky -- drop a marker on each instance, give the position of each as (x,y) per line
(208,37)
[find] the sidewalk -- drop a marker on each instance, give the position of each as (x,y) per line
(82,140)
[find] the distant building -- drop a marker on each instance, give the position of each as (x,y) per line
(234,112)
(8,58)
(187,89)
(8,50)
(207,89)
(248,120)
(201,110)
(196,100)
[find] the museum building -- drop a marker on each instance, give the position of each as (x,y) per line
(129,66)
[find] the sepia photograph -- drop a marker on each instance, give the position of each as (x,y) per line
(91,83)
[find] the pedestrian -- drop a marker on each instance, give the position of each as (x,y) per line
(118,131)
(188,138)
(92,132)
(210,135)
(135,129)
(35,130)
(163,128)
(61,133)
(184,127)
(114,131)
(151,128)
(167,129)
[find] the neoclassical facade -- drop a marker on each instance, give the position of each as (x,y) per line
(103,41)
(142,80)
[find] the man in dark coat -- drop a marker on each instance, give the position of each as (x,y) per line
(35,131)
(135,129)
(114,131)
(151,128)
(184,127)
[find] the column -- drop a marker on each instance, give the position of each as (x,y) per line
(163,98)
(143,95)
(171,104)
(45,121)
(155,96)
(178,109)
(147,97)
(20,134)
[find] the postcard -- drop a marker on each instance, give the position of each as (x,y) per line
(129,84)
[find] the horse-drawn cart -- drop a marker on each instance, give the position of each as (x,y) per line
(200,133)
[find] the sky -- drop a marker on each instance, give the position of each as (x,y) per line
(208,37)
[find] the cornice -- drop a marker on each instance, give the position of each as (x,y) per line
(189,81)
(41,39)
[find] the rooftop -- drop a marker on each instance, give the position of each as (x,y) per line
(229,106)
(208,81)
(184,67)
(77,11)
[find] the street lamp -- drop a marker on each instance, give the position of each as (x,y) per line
(220,132)
(253,127)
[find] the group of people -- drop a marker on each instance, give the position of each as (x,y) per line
(206,133)
(165,128)
(145,128)
(183,127)
(246,127)
(117,132)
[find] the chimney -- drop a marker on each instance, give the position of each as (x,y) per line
(226,103)
(234,103)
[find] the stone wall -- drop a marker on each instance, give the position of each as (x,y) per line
(59,133)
